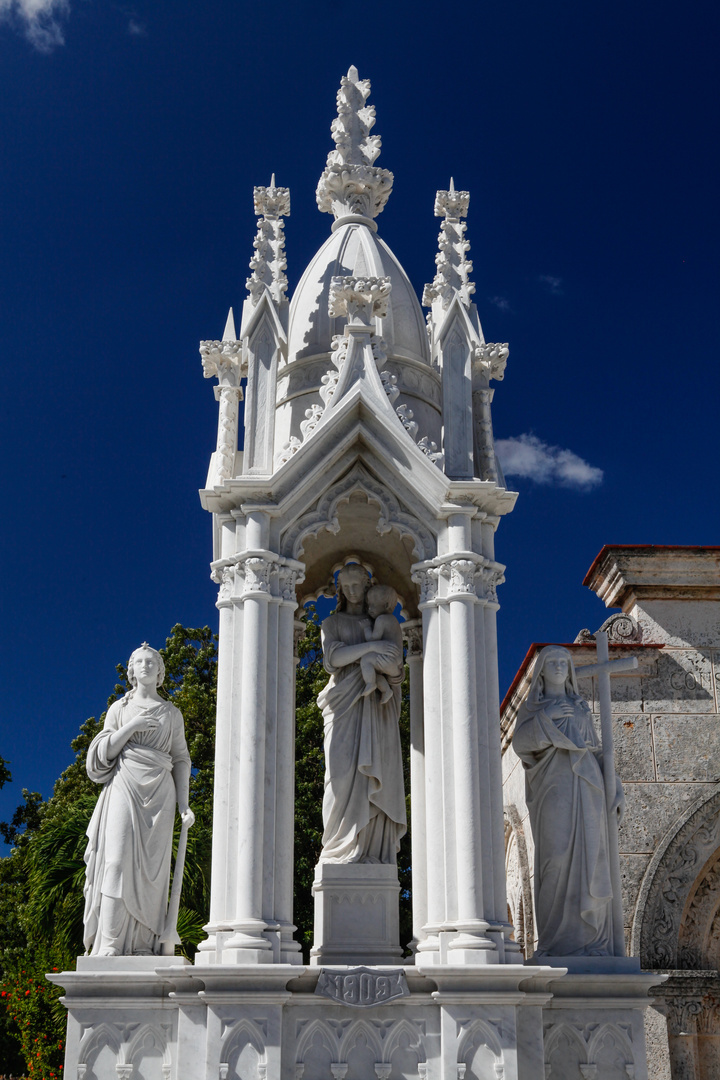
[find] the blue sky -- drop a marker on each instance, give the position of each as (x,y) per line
(132,138)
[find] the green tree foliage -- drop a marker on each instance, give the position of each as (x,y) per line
(309,775)
(41,881)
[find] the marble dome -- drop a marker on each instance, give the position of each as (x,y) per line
(355,249)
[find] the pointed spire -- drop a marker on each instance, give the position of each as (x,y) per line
(269,263)
(229,331)
(351,184)
(453,268)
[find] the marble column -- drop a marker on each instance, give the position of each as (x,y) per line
(252,886)
(465,921)
(412,631)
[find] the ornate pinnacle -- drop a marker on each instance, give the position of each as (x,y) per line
(453,268)
(351,184)
(268,264)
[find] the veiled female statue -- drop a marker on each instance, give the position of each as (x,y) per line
(364,800)
(142,760)
(555,740)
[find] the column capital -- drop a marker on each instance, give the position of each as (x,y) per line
(466,575)
(413,634)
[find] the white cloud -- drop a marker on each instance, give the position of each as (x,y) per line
(136,28)
(500,302)
(39,20)
(530,457)
(554,284)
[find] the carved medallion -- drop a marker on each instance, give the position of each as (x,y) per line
(362,987)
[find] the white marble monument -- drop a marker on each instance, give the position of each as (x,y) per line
(367,456)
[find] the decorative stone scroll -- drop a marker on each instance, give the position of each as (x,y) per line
(620,628)
(362,987)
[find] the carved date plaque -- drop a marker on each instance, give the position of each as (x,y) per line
(362,986)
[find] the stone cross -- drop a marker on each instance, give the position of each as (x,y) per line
(602,672)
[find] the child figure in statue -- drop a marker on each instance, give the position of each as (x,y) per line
(364,800)
(381,601)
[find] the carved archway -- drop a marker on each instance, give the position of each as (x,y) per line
(97,1038)
(669,881)
(518,877)
(480,1041)
(358,515)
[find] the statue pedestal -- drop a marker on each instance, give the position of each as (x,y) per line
(356,914)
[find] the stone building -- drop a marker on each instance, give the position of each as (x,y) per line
(666,718)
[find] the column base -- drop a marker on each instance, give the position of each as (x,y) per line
(455,946)
(356,914)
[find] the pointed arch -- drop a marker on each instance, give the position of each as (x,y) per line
(360,1027)
(690,842)
(622,1042)
(477,1034)
(97,1037)
(240,1035)
(415,1037)
(330,1043)
(517,863)
(556,1032)
(324,516)
(139,1042)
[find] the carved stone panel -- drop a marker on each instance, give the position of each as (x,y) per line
(362,987)
(683,683)
(687,747)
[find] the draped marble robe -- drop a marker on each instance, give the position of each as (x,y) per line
(565,797)
(130,833)
(364,800)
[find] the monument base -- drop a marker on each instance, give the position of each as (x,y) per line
(236,1022)
(590,965)
(357,917)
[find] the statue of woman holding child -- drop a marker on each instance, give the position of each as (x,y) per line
(364,800)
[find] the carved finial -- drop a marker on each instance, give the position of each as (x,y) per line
(489,360)
(351,184)
(229,331)
(268,264)
(359,299)
(453,268)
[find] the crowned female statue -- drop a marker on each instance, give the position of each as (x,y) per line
(364,800)
(555,740)
(142,760)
